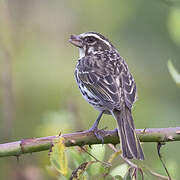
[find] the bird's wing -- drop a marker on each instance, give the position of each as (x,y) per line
(98,81)
(128,85)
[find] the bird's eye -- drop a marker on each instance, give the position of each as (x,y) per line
(90,39)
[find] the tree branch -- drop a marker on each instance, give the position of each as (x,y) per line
(86,138)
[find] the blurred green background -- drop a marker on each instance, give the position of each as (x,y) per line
(38,93)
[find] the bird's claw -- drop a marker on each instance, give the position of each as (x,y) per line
(97,132)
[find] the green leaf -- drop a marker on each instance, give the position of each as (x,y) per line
(113,156)
(58,157)
(139,174)
(173,72)
(77,157)
(118,177)
(128,175)
(174,24)
(98,151)
(120,170)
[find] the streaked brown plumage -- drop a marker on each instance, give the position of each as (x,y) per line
(106,83)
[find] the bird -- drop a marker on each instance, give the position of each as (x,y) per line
(106,83)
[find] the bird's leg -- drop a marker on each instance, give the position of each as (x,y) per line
(95,129)
(95,125)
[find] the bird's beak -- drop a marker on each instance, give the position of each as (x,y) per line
(76,41)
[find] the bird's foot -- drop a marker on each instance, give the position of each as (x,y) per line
(98,133)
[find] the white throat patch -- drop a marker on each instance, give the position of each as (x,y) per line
(81,53)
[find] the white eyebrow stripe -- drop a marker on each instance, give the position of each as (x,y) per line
(96,36)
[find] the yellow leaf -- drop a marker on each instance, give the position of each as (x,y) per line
(113,156)
(58,157)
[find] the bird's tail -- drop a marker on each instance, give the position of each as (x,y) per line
(130,143)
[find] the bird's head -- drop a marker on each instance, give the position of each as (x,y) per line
(91,43)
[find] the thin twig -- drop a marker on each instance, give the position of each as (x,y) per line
(131,164)
(102,162)
(159,145)
(159,176)
(124,159)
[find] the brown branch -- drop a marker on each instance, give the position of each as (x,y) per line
(86,138)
